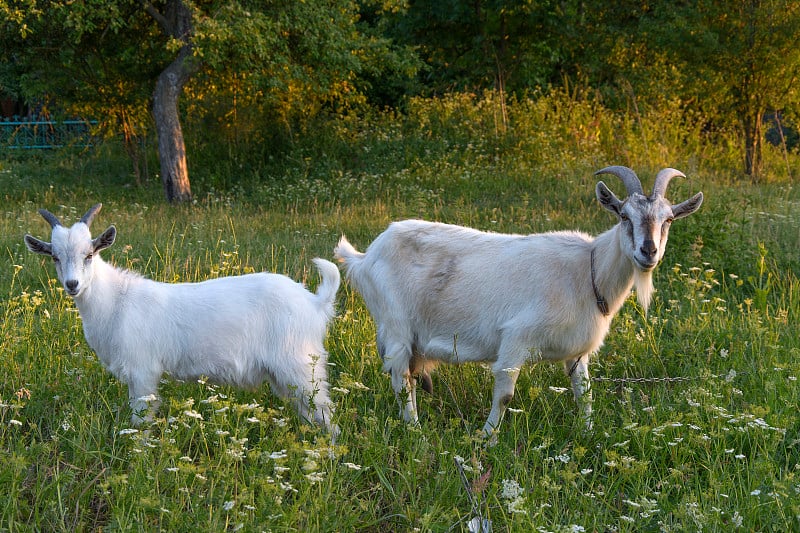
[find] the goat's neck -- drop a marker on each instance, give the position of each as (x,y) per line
(100,299)
(615,274)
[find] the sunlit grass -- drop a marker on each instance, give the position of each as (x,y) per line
(716,450)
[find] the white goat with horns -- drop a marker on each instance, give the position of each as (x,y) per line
(443,293)
(241,330)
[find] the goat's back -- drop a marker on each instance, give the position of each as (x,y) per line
(434,280)
(231,328)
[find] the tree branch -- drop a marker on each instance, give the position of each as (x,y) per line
(157,16)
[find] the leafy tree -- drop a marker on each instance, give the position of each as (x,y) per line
(91,59)
(746,60)
(730,62)
(114,54)
(508,45)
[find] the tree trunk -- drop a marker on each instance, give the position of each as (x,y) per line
(176,22)
(752,145)
(171,147)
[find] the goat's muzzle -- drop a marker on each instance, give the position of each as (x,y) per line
(647,256)
(71,285)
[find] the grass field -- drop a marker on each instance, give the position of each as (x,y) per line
(696,404)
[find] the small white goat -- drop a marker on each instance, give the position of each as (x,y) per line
(443,293)
(240,330)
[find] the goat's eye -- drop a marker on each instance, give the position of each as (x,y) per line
(623,217)
(55,260)
(88,258)
(669,220)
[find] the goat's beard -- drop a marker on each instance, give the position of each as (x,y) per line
(643,282)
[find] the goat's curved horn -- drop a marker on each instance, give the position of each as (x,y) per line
(662,180)
(89,216)
(50,217)
(627,176)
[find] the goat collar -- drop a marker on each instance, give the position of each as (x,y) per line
(601,302)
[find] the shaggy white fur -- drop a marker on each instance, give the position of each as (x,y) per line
(240,330)
(444,293)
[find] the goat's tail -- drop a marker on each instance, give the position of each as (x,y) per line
(326,291)
(347,255)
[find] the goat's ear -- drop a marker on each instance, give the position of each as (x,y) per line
(105,239)
(608,199)
(684,209)
(38,247)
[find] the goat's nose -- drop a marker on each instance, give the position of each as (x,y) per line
(71,284)
(648,248)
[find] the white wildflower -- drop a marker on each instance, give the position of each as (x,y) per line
(511,489)
(315,477)
(314,454)
(147,398)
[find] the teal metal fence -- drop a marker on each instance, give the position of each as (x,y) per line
(45,134)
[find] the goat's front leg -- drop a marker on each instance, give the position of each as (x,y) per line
(578,372)
(512,355)
(144,402)
(505,379)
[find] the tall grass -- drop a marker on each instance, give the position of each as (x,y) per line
(716,450)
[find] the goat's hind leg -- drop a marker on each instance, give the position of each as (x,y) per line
(404,381)
(306,386)
(396,355)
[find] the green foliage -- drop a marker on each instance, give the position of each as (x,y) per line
(727,63)
(483,45)
(706,73)
(262,69)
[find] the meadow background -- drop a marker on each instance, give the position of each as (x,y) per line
(716,450)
